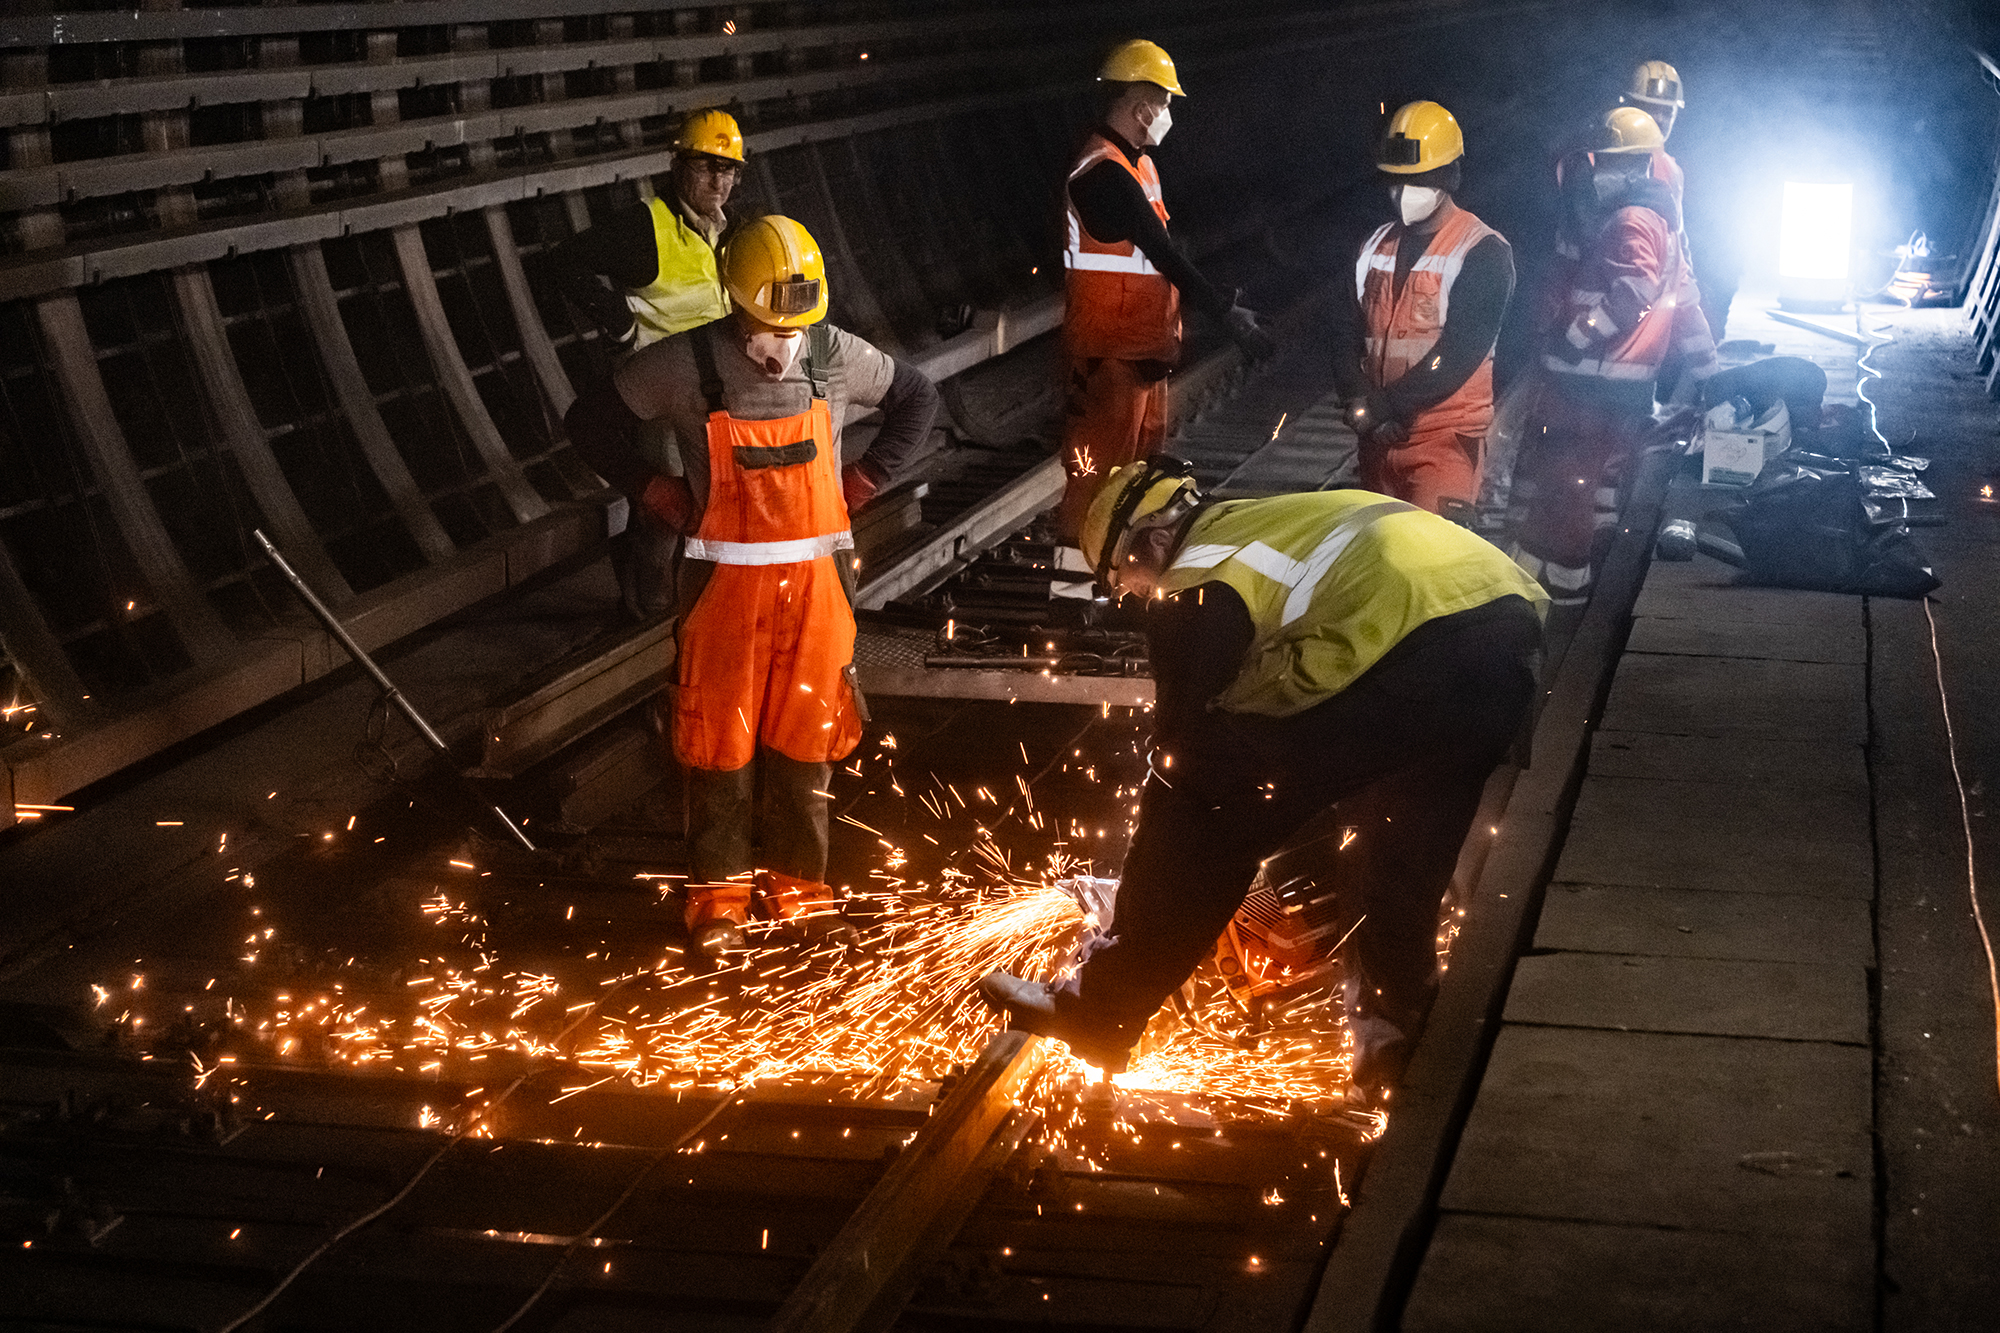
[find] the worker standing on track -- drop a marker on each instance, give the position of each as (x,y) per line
(1414,350)
(1125,282)
(1306,649)
(766,644)
(1609,320)
(660,262)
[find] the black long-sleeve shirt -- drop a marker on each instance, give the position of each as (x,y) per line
(1197,640)
(1114,208)
(1479,297)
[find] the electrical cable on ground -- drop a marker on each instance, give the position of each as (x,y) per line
(358,1223)
(1881,339)
(1965,818)
(582,1238)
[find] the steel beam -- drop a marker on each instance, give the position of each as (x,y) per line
(200,628)
(41,186)
(535,344)
(455,379)
(37,653)
(974,531)
(529,729)
(245,436)
(357,402)
(924,1184)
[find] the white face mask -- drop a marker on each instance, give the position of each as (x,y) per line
(1417,202)
(773,353)
(1163,122)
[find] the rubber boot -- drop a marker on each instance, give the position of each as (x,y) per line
(715,916)
(808,909)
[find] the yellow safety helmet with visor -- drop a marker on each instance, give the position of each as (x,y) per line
(1422,136)
(1145,494)
(1657,82)
(775,273)
(1141,61)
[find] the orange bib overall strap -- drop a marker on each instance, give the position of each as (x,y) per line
(764,651)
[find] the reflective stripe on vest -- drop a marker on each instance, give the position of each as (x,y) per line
(786,513)
(1332,581)
(686,289)
(769,553)
(1417,313)
(1119,305)
(1300,576)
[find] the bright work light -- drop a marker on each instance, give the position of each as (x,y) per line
(1815,236)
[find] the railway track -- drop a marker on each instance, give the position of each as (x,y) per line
(395,1077)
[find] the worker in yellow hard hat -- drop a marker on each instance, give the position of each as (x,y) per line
(764,698)
(1414,345)
(1618,317)
(1125,281)
(647,273)
(1306,649)
(1656,90)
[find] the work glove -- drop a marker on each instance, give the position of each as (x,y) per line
(669,500)
(1257,344)
(857,487)
(1372,422)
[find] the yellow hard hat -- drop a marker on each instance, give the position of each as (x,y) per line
(713,132)
(1628,129)
(1130,495)
(1658,82)
(1422,136)
(774,271)
(1140,61)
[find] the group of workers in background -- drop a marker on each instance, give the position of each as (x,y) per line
(1334,646)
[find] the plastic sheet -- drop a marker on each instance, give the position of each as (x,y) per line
(1809,521)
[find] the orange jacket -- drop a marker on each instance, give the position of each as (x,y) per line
(1611,314)
(1402,329)
(1120,306)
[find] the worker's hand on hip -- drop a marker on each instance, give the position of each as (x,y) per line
(1257,344)
(669,500)
(857,487)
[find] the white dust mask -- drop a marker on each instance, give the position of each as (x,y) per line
(773,353)
(1417,202)
(1163,122)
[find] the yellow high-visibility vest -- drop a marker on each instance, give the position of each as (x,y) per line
(687,290)
(1334,580)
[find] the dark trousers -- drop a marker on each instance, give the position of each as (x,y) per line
(726,832)
(1416,737)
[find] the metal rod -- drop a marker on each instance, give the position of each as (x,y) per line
(389,690)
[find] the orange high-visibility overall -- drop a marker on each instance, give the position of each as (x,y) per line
(1446,449)
(765,649)
(1121,334)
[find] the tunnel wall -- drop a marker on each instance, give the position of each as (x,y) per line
(268,266)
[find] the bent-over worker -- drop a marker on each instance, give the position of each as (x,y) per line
(1125,281)
(764,677)
(1306,649)
(1414,351)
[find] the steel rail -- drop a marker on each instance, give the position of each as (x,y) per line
(934,1177)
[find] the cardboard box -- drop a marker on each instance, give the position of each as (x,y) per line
(1733,452)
